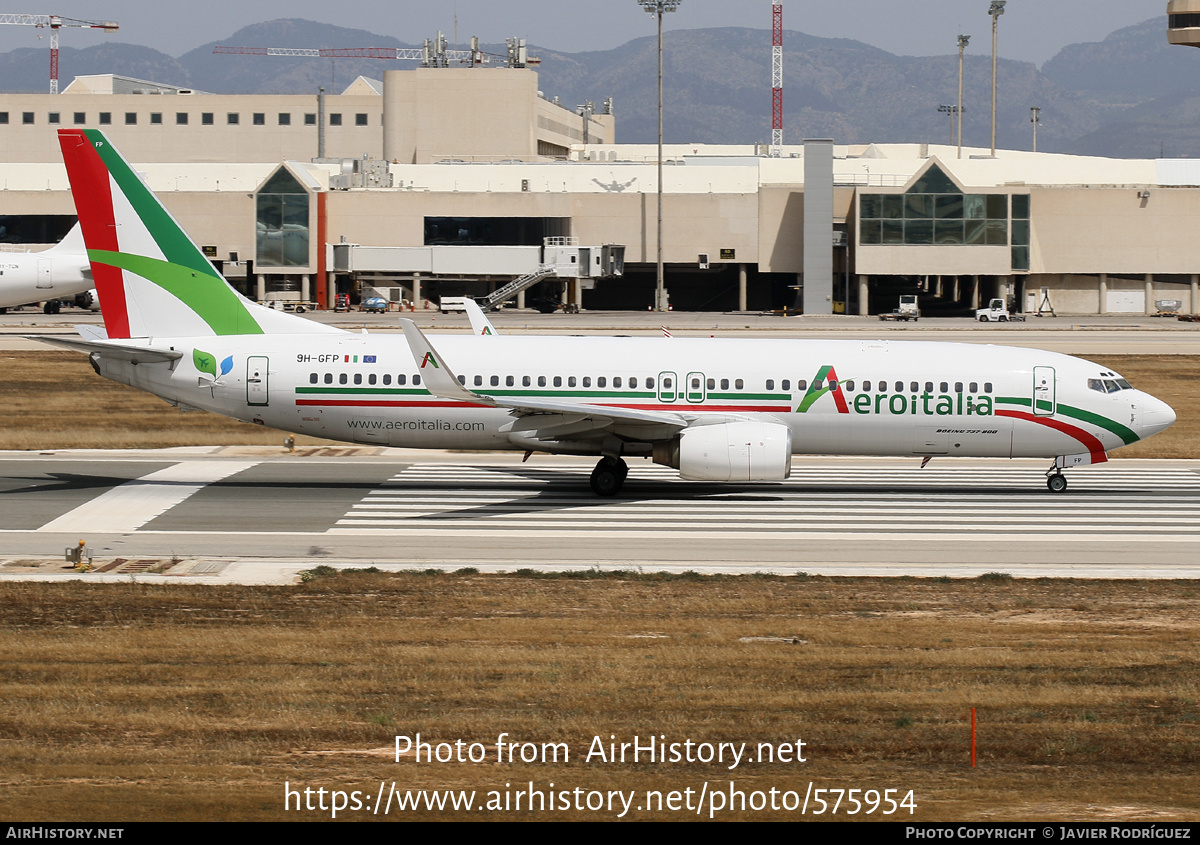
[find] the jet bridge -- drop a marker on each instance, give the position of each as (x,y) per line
(562,258)
(558,257)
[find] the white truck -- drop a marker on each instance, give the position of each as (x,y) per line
(908,309)
(997,312)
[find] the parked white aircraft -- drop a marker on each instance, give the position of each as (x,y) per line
(61,272)
(718,410)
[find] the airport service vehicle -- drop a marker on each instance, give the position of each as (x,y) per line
(375,305)
(724,410)
(997,312)
(906,310)
(51,276)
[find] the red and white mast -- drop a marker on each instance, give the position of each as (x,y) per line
(776,80)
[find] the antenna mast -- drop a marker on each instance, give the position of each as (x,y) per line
(777,79)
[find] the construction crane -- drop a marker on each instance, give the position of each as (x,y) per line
(432,54)
(54,23)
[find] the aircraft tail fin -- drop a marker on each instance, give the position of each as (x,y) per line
(72,242)
(151,277)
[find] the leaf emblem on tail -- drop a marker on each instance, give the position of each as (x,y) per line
(204,362)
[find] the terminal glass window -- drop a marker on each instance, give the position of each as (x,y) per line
(232,118)
(3,117)
(80,118)
(281,220)
(934,211)
(310,119)
(1020,231)
(27,117)
(53,118)
(105,118)
(260,118)
(285,118)
(181,118)
(206,118)
(360,120)
(156,118)
(130,118)
(335,119)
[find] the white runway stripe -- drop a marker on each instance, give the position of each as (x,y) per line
(1001,502)
(134,503)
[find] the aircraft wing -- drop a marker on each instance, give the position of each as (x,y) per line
(116,350)
(441,381)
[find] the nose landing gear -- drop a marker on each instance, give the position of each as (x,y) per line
(609,476)
(1055,480)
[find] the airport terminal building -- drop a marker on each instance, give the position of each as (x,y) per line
(451,181)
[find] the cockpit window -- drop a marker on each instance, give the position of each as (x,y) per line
(1109,385)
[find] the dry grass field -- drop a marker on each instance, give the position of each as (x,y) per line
(126,702)
(134,702)
(53,400)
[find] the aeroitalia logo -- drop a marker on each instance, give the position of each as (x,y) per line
(911,402)
(820,385)
(429,359)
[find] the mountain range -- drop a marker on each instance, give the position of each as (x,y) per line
(1131,95)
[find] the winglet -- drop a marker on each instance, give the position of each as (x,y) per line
(439,379)
(480,324)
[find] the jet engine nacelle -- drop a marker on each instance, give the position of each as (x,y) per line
(88,300)
(738,451)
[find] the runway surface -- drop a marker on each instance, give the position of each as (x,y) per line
(254,516)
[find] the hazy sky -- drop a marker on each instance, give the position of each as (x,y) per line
(1031,30)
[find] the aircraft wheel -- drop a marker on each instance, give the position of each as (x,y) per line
(1057,483)
(609,476)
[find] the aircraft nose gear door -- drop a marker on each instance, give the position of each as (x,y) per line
(1043,392)
(256,380)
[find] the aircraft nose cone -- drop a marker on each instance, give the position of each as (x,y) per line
(1157,416)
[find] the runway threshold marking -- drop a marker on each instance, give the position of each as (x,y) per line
(1158,504)
(134,503)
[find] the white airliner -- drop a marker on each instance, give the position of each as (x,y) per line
(717,410)
(61,272)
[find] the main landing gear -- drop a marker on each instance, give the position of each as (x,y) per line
(609,476)
(1056,481)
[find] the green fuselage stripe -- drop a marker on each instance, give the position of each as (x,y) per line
(1126,434)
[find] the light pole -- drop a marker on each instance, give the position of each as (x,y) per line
(963,40)
(659,7)
(951,110)
(995,10)
(1035,114)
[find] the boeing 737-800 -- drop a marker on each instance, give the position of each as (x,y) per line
(61,272)
(715,409)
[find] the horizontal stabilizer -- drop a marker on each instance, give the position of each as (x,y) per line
(114,350)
